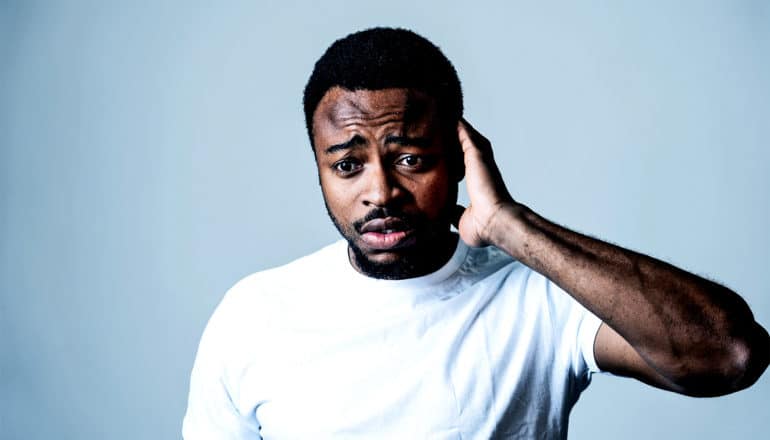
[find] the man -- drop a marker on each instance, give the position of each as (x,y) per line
(407,330)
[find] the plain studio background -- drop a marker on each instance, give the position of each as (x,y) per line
(153,154)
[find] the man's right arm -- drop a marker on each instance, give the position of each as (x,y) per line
(211,412)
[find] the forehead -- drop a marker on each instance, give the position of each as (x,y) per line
(341,106)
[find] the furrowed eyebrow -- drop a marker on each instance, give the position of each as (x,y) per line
(406,141)
(355,141)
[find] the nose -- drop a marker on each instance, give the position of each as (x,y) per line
(382,190)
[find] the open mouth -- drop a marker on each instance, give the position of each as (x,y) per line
(387,233)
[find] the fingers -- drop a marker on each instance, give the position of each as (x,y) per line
(470,138)
(480,166)
(464,134)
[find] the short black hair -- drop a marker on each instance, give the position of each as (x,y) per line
(381,58)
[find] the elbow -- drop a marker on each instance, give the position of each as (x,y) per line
(749,359)
(743,360)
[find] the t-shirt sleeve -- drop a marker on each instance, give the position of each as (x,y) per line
(211,411)
(578,327)
(587,330)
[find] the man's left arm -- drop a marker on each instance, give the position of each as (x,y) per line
(662,325)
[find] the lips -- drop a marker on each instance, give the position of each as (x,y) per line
(384,225)
(386,233)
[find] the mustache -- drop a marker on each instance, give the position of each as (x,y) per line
(409,221)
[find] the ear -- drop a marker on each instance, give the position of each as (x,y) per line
(456,157)
(458,163)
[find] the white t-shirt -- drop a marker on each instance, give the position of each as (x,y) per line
(482,348)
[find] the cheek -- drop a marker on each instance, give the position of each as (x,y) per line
(435,193)
(337,198)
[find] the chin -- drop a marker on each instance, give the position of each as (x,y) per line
(392,264)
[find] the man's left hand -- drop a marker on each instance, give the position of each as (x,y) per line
(488,195)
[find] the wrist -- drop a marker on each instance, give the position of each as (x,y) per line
(507,226)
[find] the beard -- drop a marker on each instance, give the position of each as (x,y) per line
(434,243)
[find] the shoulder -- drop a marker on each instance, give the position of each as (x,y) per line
(492,265)
(263,285)
(516,281)
(487,260)
(255,298)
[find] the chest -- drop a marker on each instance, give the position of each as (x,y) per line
(437,373)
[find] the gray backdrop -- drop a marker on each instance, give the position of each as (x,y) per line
(153,154)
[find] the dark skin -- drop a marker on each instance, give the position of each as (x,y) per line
(661,325)
(383,152)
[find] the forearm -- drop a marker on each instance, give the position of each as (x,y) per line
(687,328)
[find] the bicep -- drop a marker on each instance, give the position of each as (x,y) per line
(615,355)
(212,412)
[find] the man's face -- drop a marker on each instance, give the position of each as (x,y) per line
(386,173)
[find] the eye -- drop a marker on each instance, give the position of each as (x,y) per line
(410,161)
(346,166)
